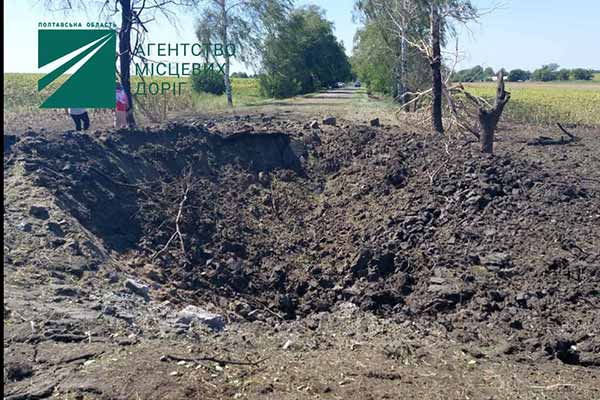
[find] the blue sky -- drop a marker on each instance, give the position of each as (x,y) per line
(518,34)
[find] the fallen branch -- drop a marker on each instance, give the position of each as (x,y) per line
(454,110)
(213,359)
(565,131)
(479,101)
(547,141)
(66,337)
(553,386)
(451,156)
(273,313)
(79,357)
(177,232)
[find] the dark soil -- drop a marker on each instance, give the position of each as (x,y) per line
(287,227)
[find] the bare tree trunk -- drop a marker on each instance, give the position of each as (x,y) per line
(396,81)
(228,83)
(227,58)
(125,55)
(402,86)
(488,119)
(436,64)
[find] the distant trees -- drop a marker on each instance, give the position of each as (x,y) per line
(242,75)
(563,74)
(209,82)
(546,73)
(397,24)
(372,61)
(517,75)
(475,74)
(423,26)
(581,74)
(302,55)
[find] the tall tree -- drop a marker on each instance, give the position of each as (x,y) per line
(239,23)
(125,54)
(303,55)
(444,14)
(436,68)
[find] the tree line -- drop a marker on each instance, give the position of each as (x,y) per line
(546,73)
(294,50)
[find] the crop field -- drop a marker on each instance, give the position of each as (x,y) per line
(548,103)
(22,98)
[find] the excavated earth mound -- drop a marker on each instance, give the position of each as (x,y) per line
(297,221)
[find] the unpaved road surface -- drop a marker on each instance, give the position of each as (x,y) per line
(342,261)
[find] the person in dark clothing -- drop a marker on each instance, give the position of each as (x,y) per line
(79,115)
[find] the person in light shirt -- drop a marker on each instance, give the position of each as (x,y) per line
(79,116)
(121,107)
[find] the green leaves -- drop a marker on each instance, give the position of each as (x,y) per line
(302,55)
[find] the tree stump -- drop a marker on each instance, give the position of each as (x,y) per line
(488,118)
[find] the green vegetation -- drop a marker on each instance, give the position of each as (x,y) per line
(21,94)
(546,73)
(531,102)
(475,74)
(209,82)
(246,92)
(241,25)
(302,55)
(240,75)
(382,58)
(517,75)
(371,61)
(375,66)
(547,103)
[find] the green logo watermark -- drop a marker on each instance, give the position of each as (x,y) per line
(92,85)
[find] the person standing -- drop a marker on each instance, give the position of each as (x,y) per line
(121,107)
(79,115)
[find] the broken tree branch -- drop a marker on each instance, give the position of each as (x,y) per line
(177,232)
(547,141)
(213,359)
(565,131)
